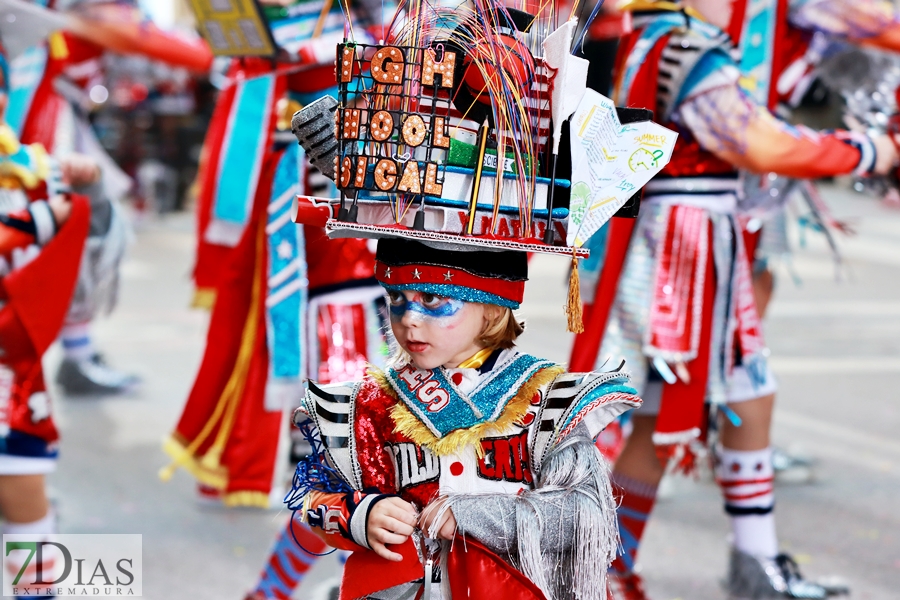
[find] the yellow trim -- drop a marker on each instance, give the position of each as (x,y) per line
(226,408)
(204,298)
(177,451)
(28,177)
(58,47)
(636,5)
(477,359)
(246,498)
(9,143)
(406,423)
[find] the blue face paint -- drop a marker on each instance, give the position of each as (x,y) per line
(438,308)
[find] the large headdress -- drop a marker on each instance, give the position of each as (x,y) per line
(470,124)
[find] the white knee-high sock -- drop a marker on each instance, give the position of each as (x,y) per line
(747,482)
(20,561)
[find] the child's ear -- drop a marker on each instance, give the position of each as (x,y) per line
(491,312)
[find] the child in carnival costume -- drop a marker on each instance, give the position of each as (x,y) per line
(675,297)
(465,457)
(42,233)
(467,468)
(50,105)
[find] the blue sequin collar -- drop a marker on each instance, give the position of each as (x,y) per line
(443,408)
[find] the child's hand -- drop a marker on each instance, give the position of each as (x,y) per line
(61,207)
(79,170)
(391,521)
(446,528)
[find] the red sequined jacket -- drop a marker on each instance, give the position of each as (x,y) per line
(394,434)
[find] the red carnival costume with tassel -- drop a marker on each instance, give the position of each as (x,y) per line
(252,263)
(675,296)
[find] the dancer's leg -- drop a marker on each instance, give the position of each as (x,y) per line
(744,473)
(636,478)
(23,498)
(83,370)
(25,510)
(288,563)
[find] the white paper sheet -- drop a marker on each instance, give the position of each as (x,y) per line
(610,163)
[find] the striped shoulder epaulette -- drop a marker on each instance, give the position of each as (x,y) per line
(331,409)
(570,399)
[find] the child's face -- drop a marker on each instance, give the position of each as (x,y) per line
(435,330)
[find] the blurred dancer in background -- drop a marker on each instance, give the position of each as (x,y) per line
(287,303)
(42,233)
(57,84)
(782,44)
(684,304)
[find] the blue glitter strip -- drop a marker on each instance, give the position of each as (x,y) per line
(287,255)
(22,78)
(454,291)
(489,398)
(241,159)
(610,387)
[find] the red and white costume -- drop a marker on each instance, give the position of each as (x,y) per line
(38,270)
(676,284)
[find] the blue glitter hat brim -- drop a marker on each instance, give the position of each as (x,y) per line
(459,292)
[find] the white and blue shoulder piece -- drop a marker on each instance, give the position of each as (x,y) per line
(587,402)
(330,409)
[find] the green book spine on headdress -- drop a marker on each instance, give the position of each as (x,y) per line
(462,154)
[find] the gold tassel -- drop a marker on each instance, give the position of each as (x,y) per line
(573,302)
(246,498)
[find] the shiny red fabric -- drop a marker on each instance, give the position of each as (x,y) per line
(331,262)
(37,300)
(371,573)
(374,429)
(343,342)
(213,258)
(476,573)
(678,281)
(250,452)
(682,404)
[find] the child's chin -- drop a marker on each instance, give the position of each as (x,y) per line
(424,363)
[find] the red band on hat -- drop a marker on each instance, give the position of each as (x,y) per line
(419,274)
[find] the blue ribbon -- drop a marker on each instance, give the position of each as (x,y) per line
(287,270)
(245,147)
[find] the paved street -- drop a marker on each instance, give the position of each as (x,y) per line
(835,347)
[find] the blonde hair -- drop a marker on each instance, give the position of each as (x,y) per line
(501,327)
